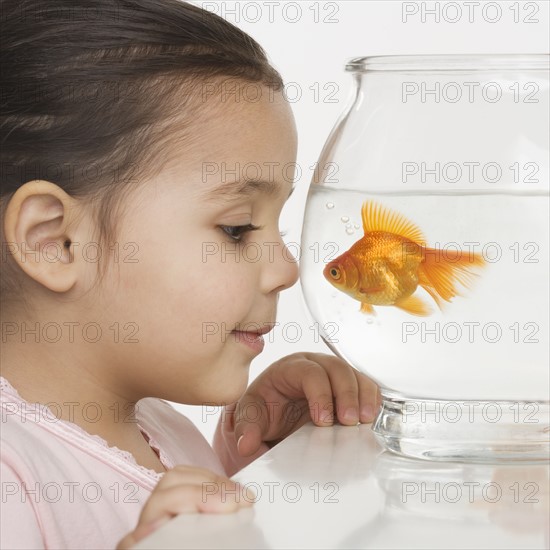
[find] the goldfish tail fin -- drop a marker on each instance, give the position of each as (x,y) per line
(440,272)
(379,218)
(414,306)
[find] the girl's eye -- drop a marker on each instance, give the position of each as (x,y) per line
(237,231)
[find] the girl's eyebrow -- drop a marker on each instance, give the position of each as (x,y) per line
(236,189)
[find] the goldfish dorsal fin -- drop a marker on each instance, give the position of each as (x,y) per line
(378,218)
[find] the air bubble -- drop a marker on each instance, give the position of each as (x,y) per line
(348,226)
(330,205)
(370,321)
(350,231)
(356,225)
(344,219)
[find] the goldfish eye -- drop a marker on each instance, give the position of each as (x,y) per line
(335,273)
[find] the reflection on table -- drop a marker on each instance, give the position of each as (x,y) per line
(335,487)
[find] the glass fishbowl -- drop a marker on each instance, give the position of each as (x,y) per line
(425,251)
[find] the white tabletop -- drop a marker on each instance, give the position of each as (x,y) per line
(335,487)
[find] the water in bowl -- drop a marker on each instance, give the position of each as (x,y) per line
(489,343)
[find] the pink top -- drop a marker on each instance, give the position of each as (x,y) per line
(65,488)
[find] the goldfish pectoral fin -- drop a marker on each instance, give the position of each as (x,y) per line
(376,217)
(367,308)
(414,306)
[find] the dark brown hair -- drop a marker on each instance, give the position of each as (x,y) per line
(89,86)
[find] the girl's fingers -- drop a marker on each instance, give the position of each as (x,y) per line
(252,423)
(345,389)
(356,395)
(186,489)
(213,498)
(189,475)
(209,484)
(323,380)
(368,398)
(317,389)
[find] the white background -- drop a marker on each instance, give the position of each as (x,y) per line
(309,43)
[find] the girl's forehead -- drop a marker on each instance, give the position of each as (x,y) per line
(248,134)
(237,148)
(238,189)
(239,111)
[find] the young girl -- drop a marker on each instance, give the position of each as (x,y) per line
(125,215)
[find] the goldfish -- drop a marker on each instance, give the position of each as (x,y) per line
(388,264)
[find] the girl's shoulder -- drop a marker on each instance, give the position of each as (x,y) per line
(53,470)
(37,442)
(31,432)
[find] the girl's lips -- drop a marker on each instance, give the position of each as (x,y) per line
(263,330)
(253,340)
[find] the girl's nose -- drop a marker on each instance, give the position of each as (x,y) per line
(282,271)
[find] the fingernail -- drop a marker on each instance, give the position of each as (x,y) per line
(367,412)
(326,417)
(350,414)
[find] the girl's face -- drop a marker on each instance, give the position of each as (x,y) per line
(186,276)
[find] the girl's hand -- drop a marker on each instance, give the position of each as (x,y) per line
(185,489)
(297,388)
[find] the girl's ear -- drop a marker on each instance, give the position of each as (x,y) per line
(38,227)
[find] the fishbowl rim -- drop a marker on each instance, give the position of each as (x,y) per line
(448,62)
